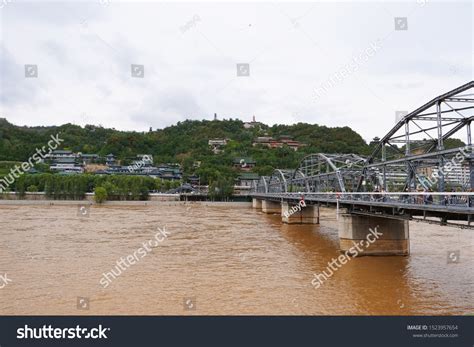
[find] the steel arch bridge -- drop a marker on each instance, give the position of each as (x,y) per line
(421,153)
(405,159)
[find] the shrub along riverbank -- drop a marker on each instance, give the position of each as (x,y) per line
(74,187)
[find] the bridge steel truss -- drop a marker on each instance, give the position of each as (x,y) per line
(418,168)
(418,152)
(327,172)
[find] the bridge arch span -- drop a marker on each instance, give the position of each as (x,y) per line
(278,182)
(321,172)
(262,185)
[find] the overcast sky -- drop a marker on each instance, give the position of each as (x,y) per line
(333,64)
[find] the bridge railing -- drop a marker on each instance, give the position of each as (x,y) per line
(418,198)
(455,199)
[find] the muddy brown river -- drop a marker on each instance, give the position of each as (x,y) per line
(218,259)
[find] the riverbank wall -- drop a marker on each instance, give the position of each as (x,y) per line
(153,199)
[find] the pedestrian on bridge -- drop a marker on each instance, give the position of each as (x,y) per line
(428,197)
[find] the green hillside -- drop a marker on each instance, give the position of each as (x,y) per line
(186,142)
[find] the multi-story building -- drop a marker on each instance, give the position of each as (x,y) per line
(58,154)
(88,158)
(146,159)
(252,124)
(66,164)
(217,145)
(283,140)
(245,182)
(110,159)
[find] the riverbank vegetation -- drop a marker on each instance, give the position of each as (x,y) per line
(74,187)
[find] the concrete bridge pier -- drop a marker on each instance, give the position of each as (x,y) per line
(369,235)
(256,203)
(271,206)
(307,215)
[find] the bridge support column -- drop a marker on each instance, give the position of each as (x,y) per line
(369,235)
(307,214)
(256,203)
(270,206)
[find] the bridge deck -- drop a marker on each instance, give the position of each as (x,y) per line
(452,208)
(460,214)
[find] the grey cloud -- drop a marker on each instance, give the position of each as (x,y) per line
(55,13)
(193,74)
(167,108)
(14,88)
(56,50)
